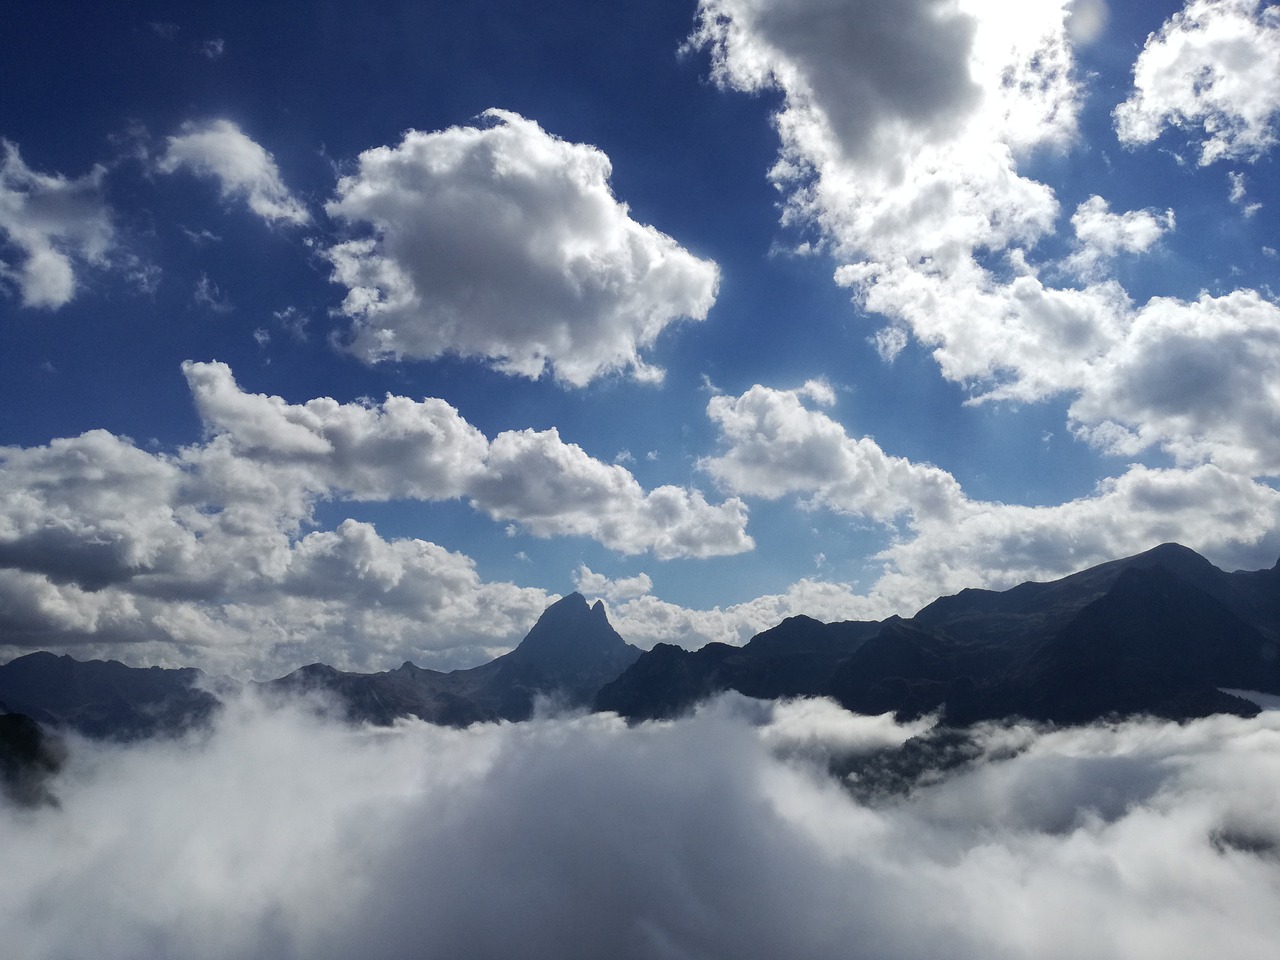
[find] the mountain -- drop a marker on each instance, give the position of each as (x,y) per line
(106,698)
(1163,633)
(1158,633)
(566,657)
(29,758)
(792,659)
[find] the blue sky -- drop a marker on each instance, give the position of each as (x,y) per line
(359,335)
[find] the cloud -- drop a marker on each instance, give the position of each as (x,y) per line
(1087,20)
(204,555)
(647,620)
(1101,234)
(1006,70)
(553,488)
(851,70)
(943,541)
(1231,519)
(1198,379)
(504,242)
(55,224)
(243,169)
(594,584)
(1239,194)
(1213,68)
(777,446)
(940,236)
(284,835)
(426,450)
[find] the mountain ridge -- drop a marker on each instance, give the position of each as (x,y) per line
(1158,633)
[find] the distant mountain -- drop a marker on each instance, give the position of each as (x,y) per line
(1161,633)
(795,658)
(568,655)
(105,698)
(1158,633)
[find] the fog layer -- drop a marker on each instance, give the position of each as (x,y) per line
(283,834)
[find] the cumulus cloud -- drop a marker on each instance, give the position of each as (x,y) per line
(1101,234)
(204,555)
(55,224)
(284,835)
(426,450)
(777,446)
(1233,520)
(593,584)
(940,233)
(1198,379)
(943,541)
(504,242)
(553,488)
(1212,70)
(244,170)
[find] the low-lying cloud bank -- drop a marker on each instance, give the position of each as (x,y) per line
(280,834)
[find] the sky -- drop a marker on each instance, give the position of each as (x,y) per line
(280,835)
(360,334)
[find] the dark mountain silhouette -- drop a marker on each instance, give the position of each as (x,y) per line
(1157,634)
(1161,633)
(106,698)
(793,659)
(29,758)
(568,655)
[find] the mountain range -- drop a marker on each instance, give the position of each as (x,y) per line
(1164,633)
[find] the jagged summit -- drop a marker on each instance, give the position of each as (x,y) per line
(569,633)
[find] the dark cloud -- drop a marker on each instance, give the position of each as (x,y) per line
(281,834)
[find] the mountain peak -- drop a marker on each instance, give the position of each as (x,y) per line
(567,631)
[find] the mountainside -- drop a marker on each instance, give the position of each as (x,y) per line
(792,659)
(567,656)
(105,698)
(1160,633)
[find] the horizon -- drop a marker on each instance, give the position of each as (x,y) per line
(591,606)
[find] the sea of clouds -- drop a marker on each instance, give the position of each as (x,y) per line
(282,832)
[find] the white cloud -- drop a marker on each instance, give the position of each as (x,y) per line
(940,235)
(1239,194)
(775,446)
(1198,379)
(553,488)
(55,224)
(284,835)
(426,450)
(203,556)
(1101,234)
(1087,20)
(592,584)
(504,242)
(647,620)
(1232,520)
(243,169)
(976,84)
(1213,68)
